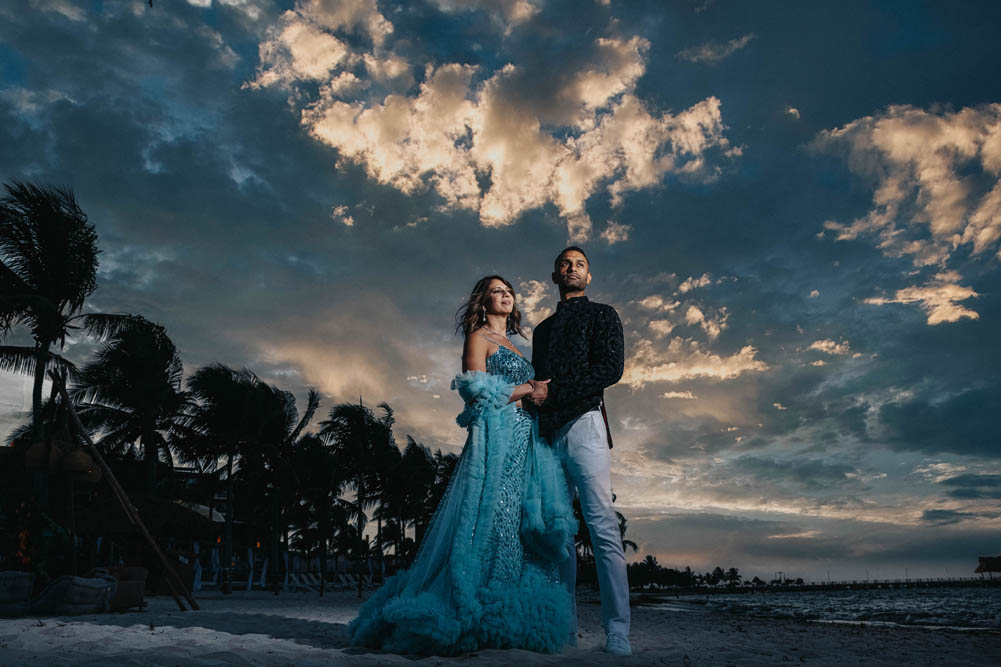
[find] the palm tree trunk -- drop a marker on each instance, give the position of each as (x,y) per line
(227,552)
(361,550)
(149,457)
(41,356)
(276,536)
(324,525)
(40,478)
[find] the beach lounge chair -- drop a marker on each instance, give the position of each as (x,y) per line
(68,595)
(15,592)
(297,584)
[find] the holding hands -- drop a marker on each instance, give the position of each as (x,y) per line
(540,391)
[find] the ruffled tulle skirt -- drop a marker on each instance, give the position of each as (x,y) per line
(488,573)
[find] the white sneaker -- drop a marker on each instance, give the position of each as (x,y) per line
(617,643)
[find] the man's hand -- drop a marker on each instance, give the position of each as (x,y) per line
(540,391)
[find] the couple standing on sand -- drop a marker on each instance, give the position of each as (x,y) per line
(497,565)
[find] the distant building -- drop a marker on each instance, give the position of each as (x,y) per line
(989,564)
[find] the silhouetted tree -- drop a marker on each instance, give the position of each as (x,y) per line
(357,438)
(227,422)
(131,391)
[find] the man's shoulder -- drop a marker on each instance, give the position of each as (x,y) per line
(544,324)
(602,308)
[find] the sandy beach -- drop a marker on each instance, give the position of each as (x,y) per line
(258,628)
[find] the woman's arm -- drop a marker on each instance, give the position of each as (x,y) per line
(475,351)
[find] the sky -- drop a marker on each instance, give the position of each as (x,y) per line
(795,209)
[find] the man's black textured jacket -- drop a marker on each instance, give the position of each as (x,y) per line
(580,348)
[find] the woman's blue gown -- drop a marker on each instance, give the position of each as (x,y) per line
(488,572)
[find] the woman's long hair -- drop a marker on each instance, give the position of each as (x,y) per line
(473,313)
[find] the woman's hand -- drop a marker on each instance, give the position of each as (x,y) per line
(540,391)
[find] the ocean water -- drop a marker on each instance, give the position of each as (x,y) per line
(967,608)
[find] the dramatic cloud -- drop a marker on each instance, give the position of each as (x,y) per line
(684,360)
(473,137)
(713,52)
(973,487)
(939,298)
(936,178)
(533,296)
(964,423)
(828,346)
(691,283)
(616,233)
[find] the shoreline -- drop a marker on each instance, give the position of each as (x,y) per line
(258,628)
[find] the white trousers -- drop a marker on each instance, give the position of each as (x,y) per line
(582,446)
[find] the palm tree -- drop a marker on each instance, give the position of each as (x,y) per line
(279,429)
(317,514)
(132,391)
(357,439)
(226,422)
(733,576)
(419,474)
(626,544)
(48,268)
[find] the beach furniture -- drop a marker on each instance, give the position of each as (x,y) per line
(298,584)
(15,592)
(131,588)
(68,595)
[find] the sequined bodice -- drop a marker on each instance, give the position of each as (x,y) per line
(511,366)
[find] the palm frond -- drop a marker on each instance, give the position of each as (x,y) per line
(103,326)
(312,403)
(18,359)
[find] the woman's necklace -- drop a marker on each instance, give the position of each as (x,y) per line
(495,333)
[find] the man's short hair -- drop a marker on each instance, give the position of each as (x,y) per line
(556,262)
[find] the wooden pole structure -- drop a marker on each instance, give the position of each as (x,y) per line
(176,585)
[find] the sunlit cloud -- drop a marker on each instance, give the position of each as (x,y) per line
(936,180)
(616,233)
(711,325)
(472,137)
(340,214)
(828,346)
(691,283)
(940,298)
(657,302)
(683,360)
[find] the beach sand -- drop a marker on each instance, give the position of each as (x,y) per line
(258,628)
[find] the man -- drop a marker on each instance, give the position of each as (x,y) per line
(580,349)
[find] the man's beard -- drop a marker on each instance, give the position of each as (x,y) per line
(576,284)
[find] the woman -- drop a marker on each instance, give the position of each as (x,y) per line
(488,572)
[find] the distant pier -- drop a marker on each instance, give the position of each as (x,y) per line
(655,592)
